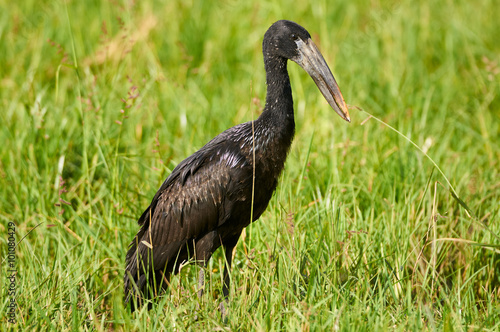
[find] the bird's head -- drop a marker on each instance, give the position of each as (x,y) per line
(289,40)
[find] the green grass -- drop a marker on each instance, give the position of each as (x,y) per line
(100,100)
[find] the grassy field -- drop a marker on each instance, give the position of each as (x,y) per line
(391,222)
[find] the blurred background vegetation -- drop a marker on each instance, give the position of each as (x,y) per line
(99,100)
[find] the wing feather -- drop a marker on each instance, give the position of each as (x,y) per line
(192,202)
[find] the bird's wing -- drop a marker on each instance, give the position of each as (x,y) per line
(192,201)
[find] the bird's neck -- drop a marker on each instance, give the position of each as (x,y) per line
(275,127)
(279,102)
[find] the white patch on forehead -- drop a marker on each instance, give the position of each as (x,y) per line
(300,45)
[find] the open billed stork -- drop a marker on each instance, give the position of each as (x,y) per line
(211,196)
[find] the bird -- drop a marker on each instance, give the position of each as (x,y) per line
(212,195)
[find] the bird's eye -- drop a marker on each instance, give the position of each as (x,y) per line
(294,36)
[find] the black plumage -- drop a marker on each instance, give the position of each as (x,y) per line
(207,199)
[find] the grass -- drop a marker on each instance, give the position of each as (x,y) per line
(386,223)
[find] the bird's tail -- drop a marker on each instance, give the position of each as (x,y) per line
(143,286)
(141,281)
(135,279)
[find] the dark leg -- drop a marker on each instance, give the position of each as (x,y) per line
(227,269)
(203,249)
(228,246)
(201,286)
(201,282)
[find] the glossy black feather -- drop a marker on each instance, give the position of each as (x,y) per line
(206,201)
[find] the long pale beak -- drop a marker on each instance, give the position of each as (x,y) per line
(314,64)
